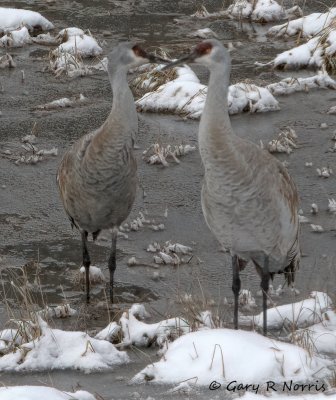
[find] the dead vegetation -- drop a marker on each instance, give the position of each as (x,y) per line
(28,153)
(284,143)
(158,154)
(6,61)
(151,78)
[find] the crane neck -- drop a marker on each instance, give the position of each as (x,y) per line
(217,97)
(123,101)
(121,125)
(215,127)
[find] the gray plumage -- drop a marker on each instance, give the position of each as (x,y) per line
(97,176)
(249,201)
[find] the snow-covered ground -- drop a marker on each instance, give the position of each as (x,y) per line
(62,311)
(63,102)
(16,38)
(76,42)
(301,314)
(74,45)
(262,11)
(290,85)
(308,26)
(199,356)
(110,332)
(41,392)
(209,353)
(139,333)
(318,30)
(58,349)
(259,11)
(320,338)
(68,64)
(225,355)
(319,386)
(96,274)
(12,18)
(204,33)
(17,23)
(185,95)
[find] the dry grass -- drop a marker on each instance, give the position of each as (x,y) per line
(150,81)
(332,379)
(20,299)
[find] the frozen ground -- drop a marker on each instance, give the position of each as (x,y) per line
(32,220)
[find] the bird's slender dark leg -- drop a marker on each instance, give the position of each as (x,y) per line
(235,288)
(265,278)
(112,261)
(86,263)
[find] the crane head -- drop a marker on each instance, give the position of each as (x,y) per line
(130,55)
(207,52)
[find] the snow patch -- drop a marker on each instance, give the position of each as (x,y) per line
(204,33)
(246,300)
(13,18)
(301,314)
(319,338)
(96,274)
(186,96)
(76,42)
(318,52)
(63,103)
(17,38)
(332,205)
(308,26)
(258,11)
(57,349)
(139,333)
(62,311)
(291,85)
(110,333)
(41,392)
(217,354)
(68,64)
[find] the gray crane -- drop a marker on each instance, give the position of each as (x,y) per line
(97,176)
(249,200)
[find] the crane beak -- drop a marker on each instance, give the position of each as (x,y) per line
(152,58)
(156,59)
(182,60)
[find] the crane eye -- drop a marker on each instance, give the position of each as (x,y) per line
(139,52)
(203,48)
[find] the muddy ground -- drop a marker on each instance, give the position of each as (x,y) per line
(33,225)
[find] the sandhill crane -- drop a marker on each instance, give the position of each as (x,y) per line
(249,200)
(97,175)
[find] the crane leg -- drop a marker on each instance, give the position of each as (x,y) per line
(265,278)
(235,288)
(112,261)
(86,263)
